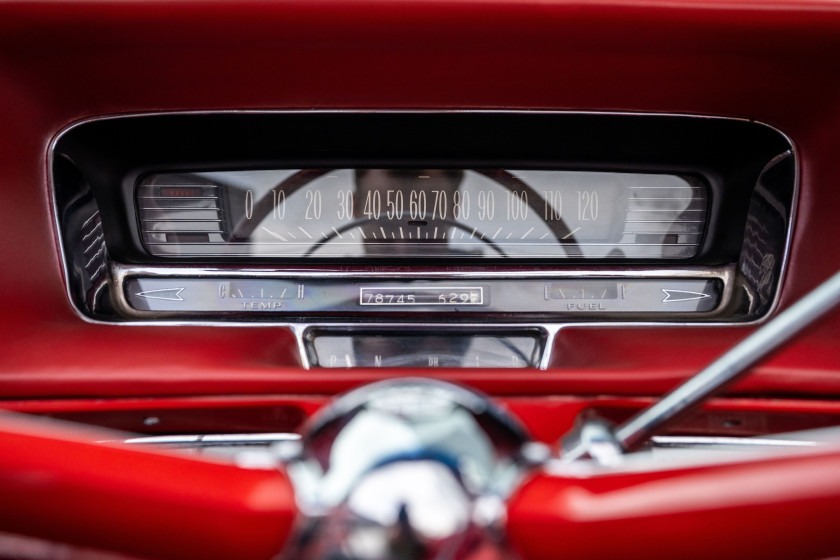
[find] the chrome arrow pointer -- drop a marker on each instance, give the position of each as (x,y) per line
(674,296)
(168,294)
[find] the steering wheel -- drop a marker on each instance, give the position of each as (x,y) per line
(366,221)
(59,484)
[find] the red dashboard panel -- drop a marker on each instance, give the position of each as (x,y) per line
(775,62)
(62,62)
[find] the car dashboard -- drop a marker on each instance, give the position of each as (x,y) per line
(219,216)
(369,255)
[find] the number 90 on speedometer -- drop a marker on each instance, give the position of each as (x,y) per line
(420,213)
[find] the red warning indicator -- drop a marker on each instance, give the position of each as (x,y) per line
(180,192)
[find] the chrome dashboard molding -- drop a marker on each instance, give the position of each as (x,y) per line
(791,222)
(210,440)
(118,272)
(121,273)
(301,332)
(794,209)
(728,442)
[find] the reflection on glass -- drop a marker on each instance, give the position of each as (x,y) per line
(441,213)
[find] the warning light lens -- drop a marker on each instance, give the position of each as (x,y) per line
(180,192)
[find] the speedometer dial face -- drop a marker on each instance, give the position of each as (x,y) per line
(438,213)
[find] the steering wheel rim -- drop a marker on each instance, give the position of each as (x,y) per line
(112,497)
(777,507)
(60,483)
(359,223)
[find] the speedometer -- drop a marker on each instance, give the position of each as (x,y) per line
(438,213)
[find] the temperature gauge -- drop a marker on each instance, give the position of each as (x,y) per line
(255,289)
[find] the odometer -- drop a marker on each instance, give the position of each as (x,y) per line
(422,295)
(437,213)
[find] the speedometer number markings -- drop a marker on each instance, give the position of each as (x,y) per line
(430,213)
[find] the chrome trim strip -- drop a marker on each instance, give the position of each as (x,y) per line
(794,210)
(121,273)
(704,441)
(205,440)
(300,338)
(551,336)
(547,332)
(165,440)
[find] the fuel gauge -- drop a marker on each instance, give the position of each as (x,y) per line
(573,289)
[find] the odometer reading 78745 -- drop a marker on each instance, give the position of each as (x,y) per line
(421,295)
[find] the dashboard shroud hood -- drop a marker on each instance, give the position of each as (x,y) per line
(62,62)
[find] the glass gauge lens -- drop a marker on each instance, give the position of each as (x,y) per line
(438,213)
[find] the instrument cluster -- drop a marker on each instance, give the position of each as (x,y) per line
(367,233)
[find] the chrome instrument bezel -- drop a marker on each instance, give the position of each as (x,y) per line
(119,272)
